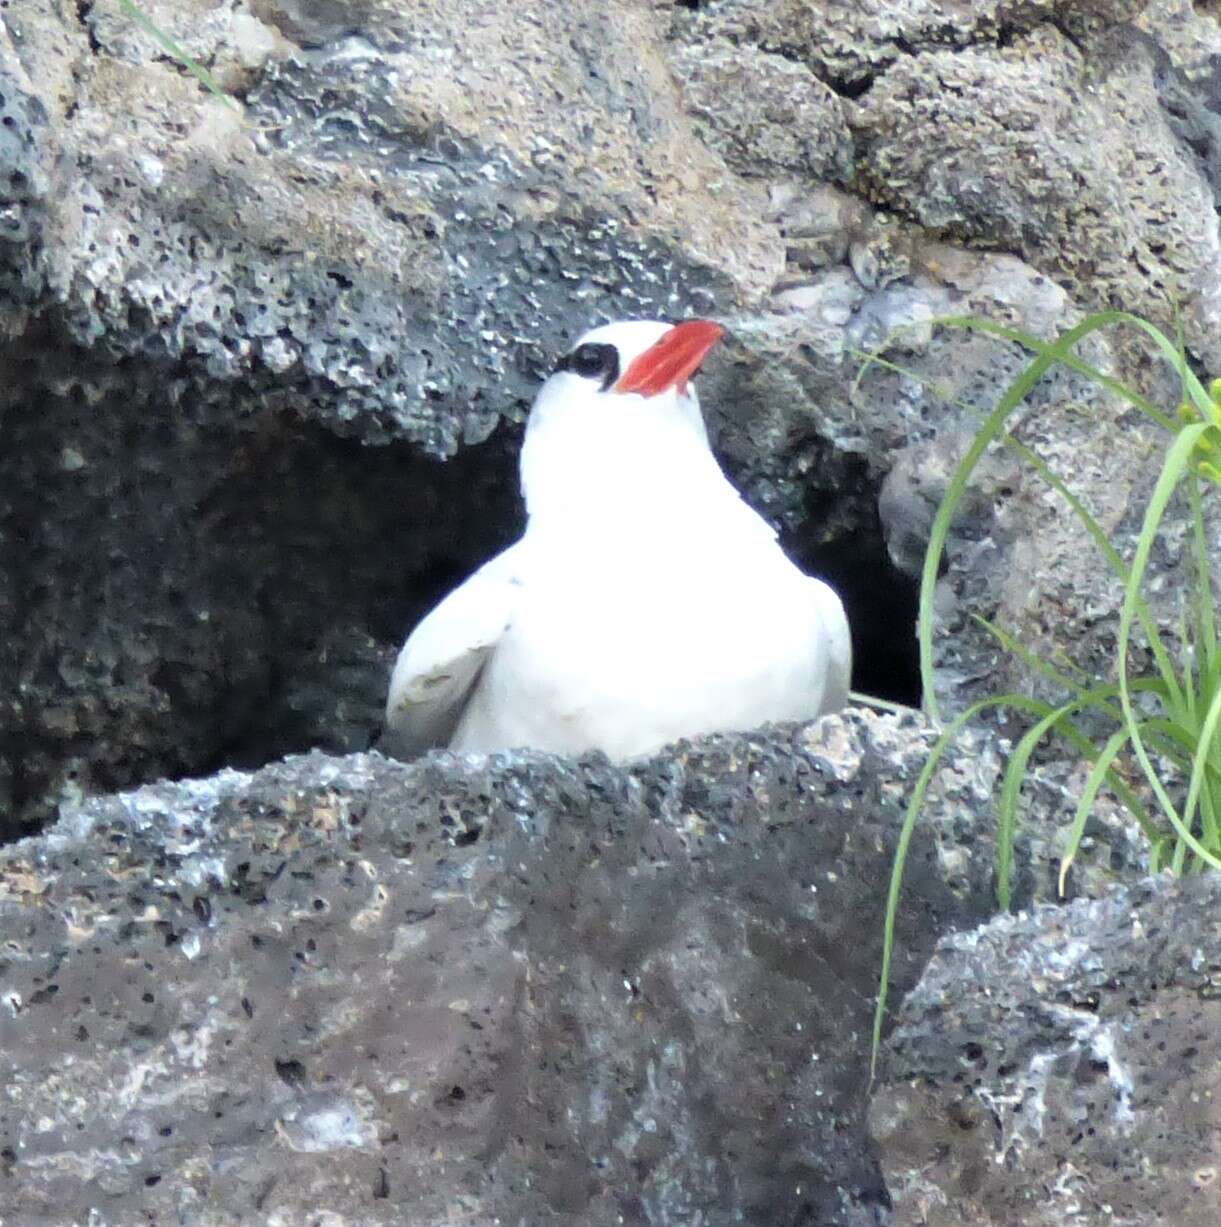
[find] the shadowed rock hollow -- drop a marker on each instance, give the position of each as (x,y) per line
(210,312)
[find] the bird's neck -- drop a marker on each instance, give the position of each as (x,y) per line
(598,474)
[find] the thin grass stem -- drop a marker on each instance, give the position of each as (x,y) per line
(200,73)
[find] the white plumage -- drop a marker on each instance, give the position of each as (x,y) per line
(644,602)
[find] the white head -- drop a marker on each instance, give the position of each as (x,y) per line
(618,418)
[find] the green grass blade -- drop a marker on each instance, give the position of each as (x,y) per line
(1188,710)
(1183,730)
(1172,740)
(1177,459)
(1162,850)
(1102,767)
(1210,826)
(1099,696)
(1206,628)
(993,424)
(1130,801)
(1160,654)
(1057,720)
(1091,525)
(1204,746)
(1036,664)
(1167,737)
(1050,350)
(1018,702)
(914,804)
(1178,859)
(1011,785)
(1210,673)
(1174,355)
(201,74)
(1046,356)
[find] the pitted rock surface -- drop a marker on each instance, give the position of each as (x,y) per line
(393,233)
(515,989)
(1121,220)
(412,207)
(238,344)
(1060,1067)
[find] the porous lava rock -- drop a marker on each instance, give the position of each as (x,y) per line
(514,989)
(1060,1067)
(240,337)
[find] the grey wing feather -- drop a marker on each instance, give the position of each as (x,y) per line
(439,665)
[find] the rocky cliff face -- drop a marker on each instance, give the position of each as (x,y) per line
(240,338)
(262,373)
(528,992)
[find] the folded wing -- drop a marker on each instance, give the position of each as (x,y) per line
(439,665)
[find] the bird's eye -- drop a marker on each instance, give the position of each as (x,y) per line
(592,361)
(589,360)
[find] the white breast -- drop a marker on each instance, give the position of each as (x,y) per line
(627,652)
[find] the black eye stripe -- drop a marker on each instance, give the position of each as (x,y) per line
(593,361)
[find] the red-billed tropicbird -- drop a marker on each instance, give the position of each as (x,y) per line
(644,602)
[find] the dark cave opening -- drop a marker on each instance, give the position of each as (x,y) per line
(368,539)
(399,531)
(185,593)
(184,588)
(880,600)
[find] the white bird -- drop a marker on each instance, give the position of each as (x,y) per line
(645,600)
